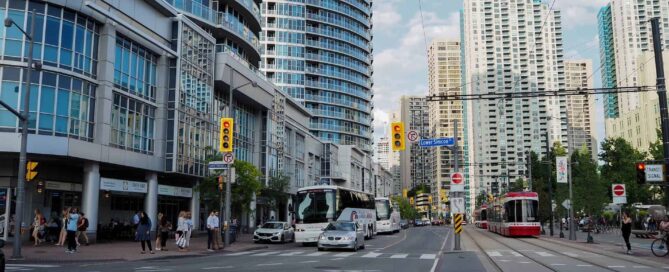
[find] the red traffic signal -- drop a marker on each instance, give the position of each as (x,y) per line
(641,172)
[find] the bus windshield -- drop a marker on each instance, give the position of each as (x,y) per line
(382,209)
(316,206)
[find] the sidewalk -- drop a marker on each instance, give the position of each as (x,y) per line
(124,251)
(610,244)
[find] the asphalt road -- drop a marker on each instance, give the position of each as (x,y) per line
(414,249)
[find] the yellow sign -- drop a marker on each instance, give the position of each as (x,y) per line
(411,200)
(226,135)
(30,170)
(397,136)
(405,192)
(458,223)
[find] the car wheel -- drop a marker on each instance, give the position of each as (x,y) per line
(355,247)
(362,246)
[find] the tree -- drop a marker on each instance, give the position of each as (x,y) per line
(517,186)
(247,184)
(619,159)
(480,199)
(406,210)
(656,148)
(275,191)
(590,191)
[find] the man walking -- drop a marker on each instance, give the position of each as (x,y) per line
(72,220)
(213,231)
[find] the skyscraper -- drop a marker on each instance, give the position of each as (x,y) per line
(626,50)
(320,52)
(444,72)
(512,46)
(581,108)
(415,165)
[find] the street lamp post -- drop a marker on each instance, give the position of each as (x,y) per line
(20,194)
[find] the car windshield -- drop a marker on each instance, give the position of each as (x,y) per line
(341,226)
(272,226)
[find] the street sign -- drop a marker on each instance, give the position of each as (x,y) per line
(218,165)
(458,205)
(654,172)
(562,168)
(554,206)
(437,142)
(457,182)
(566,204)
(619,193)
(229,158)
(412,135)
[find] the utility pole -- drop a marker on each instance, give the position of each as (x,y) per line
(529,169)
(572,230)
(456,168)
(662,94)
(550,185)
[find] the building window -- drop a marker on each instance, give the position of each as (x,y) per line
(132,124)
(135,69)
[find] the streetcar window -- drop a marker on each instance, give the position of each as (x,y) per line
(519,211)
(510,209)
(531,208)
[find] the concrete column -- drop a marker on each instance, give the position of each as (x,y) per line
(151,201)
(195,207)
(91,197)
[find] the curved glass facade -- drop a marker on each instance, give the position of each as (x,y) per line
(319,52)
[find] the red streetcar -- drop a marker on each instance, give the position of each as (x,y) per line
(480,217)
(515,214)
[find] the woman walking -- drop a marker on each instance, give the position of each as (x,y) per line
(163,229)
(63,228)
(143,232)
(627,230)
(38,226)
(182,228)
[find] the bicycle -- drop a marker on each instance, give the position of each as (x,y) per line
(660,246)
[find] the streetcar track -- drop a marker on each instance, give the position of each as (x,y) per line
(490,259)
(489,236)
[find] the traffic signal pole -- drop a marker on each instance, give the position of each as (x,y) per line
(662,94)
(456,168)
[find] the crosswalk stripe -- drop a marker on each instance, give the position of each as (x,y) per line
(371,255)
(544,254)
(517,254)
(399,256)
(292,253)
(570,254)
(33,265)
(266,253)
(239,253)
(317,254)
(494,254)
(346,254)
(428,256)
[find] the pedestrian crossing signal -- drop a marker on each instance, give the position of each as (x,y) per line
(31,166)
(226,135)
(397,136)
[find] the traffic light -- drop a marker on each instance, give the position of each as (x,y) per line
(40,187)
(31,166)
(640,172)
(220,182)
(397,136)
(411,200)
(429,199)
(226,135)
(405,192)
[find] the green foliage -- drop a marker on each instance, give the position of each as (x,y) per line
(590,191)
(480,199)
(619,158)
(275,191)
(247,184)
(656,149)
(419,189)
(517,186)
(406,210)
(609,215)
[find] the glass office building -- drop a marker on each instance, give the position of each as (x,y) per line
(320,53)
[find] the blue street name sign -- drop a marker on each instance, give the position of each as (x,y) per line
(437,142)
(218,165)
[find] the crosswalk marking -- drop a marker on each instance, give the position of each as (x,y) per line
(494,254)
(544,254)
(34,265)
(317,254)
(399,256)
(372,255)
(517,254)
(570,254)
(584,265)
(266,253)
(347,254)
(239,253)
(428,256)
(292,253)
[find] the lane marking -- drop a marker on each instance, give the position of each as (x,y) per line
(346,254)
(316,254)
(494,253)
(441,250)
(616,266)
(399,256)
(428,256)
(505,261)
(397,242)
(544,254)
(269,264)
(524,262)
(557,264)
(239,253)
(309,262)
(266,253)
(292,253)
(218,267)
(584,265)
(372,255)
(640,266)
(337,259)
(570,254)
(34,265)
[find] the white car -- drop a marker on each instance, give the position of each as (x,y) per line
(342,234)
(274,231)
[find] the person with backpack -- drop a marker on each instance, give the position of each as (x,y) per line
(82,226)
(72,220)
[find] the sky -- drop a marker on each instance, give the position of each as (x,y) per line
(400,50)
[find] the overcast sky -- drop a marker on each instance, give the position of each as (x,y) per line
(400,56)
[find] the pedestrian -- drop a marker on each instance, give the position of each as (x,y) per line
(72,219)
(63,228)
(189,225)
(182,228)
(627,230)
(82,227)
(143,232)
(214,227)
(652,224)
(164,228)
(38,227)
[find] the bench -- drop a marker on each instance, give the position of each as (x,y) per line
(644,233)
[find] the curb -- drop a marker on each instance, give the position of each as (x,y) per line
(609,253)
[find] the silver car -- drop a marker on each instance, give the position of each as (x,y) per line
(274,231)
(342,234)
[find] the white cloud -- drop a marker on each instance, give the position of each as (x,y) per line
(577,13)
(385,16)
(401,69)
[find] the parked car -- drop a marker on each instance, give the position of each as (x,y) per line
(418,223)
(274,231)
(426,222)
(404,224)
(342,234)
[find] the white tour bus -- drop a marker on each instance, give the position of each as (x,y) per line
(319,205)
(387,215)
